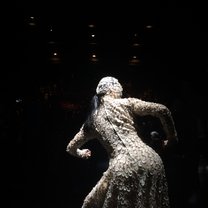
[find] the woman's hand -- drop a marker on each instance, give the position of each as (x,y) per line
(170,142)
(84,153)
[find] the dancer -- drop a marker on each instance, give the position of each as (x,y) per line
(135,177)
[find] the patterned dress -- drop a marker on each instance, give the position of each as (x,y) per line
(135,177)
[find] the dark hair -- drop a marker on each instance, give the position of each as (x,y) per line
(95,103)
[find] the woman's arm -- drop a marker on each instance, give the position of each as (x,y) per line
(144,108)
(80,139)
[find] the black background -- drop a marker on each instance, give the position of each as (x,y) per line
(35,129)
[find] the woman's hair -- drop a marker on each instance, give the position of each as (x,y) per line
(95,102)
(107,85)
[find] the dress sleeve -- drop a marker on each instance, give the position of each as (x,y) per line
(81,137)
(144,108)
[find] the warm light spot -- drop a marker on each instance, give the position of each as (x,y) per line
(19,100)
(55,58)
(32,21)
(136,44)
(134,61)
(91,25)
(149,26)
(94,58)
(51,42)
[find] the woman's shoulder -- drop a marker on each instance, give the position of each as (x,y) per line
(132,99)
(128,101)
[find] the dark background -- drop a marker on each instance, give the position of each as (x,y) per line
(45,97)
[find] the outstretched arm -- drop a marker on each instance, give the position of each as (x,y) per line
(143,108)
(80,139)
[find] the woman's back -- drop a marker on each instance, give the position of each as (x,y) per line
(135,177)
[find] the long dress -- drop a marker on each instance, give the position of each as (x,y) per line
(135,177)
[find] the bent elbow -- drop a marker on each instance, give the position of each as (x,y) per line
(70,149)
(164,110)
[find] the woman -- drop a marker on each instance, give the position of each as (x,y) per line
(135,177)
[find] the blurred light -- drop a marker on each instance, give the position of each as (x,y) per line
(32,21)
(94,58)
(52,42)
(55,57)
(91,25)
(92,39)
(149,26)
(136,44)
(19,100)
(134,61)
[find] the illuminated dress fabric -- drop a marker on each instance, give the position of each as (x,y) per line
(135,177)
